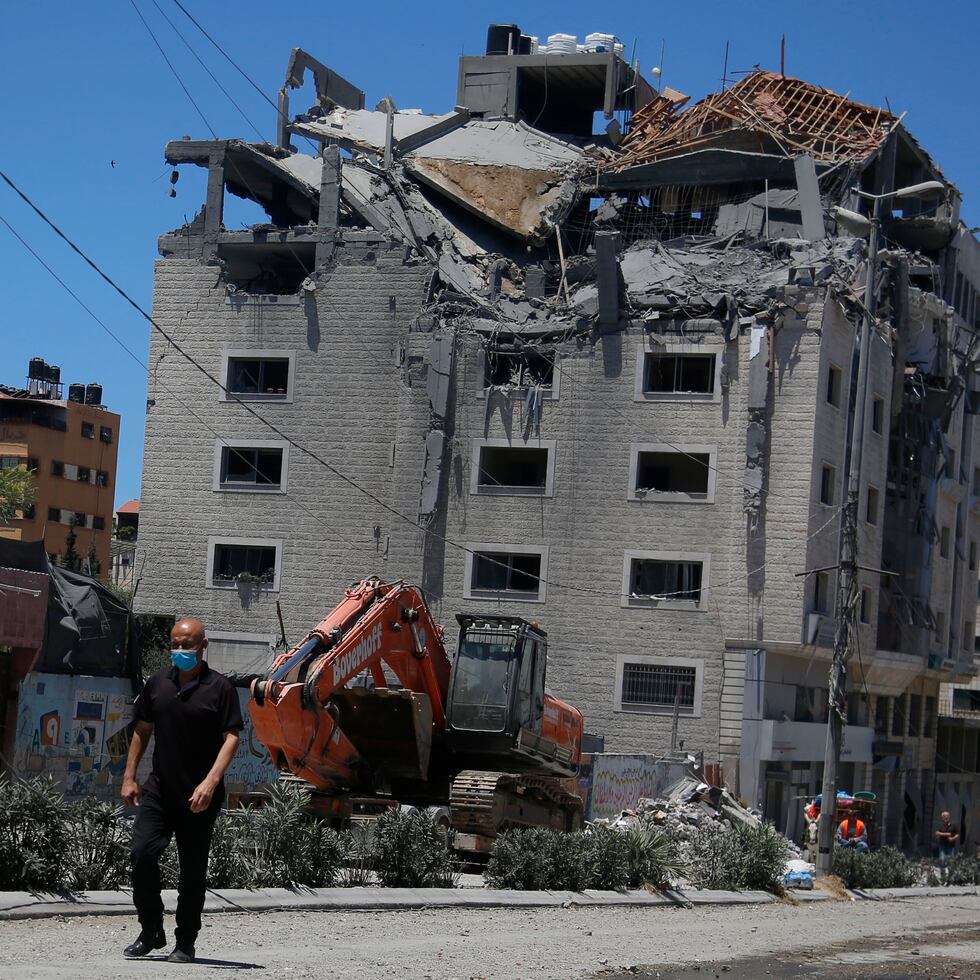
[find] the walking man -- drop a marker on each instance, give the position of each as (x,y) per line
(193,712)
(947,836)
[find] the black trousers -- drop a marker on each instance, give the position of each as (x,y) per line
(157,820)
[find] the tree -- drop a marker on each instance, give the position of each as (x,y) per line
(94,565)
(16,492)
(154,632)
(70,558)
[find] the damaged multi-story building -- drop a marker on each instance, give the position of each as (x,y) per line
(603,381)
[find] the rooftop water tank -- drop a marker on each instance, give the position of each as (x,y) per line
(76,393)
(37,369)
(93,394)
(503,39)
(53,374)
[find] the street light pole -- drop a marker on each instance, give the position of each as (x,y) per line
(846,625)
(847,605)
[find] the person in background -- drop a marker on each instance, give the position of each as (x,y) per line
(193,713)
(852,832)
(947,837)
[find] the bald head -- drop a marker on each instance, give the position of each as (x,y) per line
(188,634)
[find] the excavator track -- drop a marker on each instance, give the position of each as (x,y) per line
(485,803)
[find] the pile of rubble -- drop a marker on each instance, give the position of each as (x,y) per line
(689,807)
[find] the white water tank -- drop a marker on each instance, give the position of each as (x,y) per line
(562,43)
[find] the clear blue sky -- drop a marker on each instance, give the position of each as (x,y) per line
(83,85)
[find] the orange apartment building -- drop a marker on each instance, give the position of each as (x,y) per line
(71,444)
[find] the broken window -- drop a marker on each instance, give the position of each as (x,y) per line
(248,563)
(84,475)
(673,472)
(54,514)
(246,467)
(833,386)
(865,606)
(267,268)
(98,523)
(679,373)
(512,469)
(821,592)
(517,575)
(102,478)
(828,484)
(659,685)
(259,376)
(871,506)
(523,369)
(57,468)
(88,430)
(652,578)
(878,415)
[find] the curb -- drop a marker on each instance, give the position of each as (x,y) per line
(27,905)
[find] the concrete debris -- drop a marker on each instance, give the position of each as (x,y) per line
(687,808)
(362,129)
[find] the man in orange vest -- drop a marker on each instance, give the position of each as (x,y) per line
(853,833)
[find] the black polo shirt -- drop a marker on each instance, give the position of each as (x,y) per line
(188,728)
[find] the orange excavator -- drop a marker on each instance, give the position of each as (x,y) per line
(370,711)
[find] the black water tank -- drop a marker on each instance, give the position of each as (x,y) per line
(53,375)
(93,394)
(503,39)
(76,393)
(37,369)
(524,44)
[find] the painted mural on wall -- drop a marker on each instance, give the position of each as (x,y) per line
(76,729)
(619,782)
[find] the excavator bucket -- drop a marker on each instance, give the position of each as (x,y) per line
(392,730)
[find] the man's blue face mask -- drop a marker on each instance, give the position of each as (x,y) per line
(183,659)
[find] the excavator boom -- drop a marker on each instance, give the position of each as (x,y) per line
(303,712)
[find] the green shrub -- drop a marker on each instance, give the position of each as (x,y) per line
(100,840)
(283,845)
(653,856)
(520,860)
(744,857)
(534,859)
(763,853)
(412,851)
(35,836)
(228,863)
(963,870)
(884,868)
(358,856)
(608,859)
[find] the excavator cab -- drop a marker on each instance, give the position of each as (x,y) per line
(499,713)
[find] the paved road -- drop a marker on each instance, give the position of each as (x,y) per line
(863,939)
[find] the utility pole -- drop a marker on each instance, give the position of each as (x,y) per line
(847,607)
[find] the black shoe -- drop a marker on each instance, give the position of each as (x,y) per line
(181,954)
(147,942)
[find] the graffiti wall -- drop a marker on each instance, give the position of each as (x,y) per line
(619,782)
(76,729)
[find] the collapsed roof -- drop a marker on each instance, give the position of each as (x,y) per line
(763,113)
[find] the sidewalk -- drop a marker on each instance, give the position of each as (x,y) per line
(25,905)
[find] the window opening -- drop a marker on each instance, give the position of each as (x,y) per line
(525,369)
(256,563)
(680,373)
(833,386)
(878,415)
(871,508)
(673,472)
(518,468)
(255,467)
(651,578)
(258,376)
(659,685)
(828,478)
(495,571)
